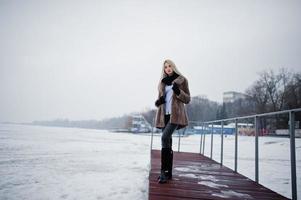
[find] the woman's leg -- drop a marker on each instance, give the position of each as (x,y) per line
(166,152)
(170,161)
(166,140)
(170,153)
(167,143)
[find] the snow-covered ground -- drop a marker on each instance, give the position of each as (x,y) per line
(70,163)
(39,162)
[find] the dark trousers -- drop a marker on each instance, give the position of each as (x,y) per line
(166,139)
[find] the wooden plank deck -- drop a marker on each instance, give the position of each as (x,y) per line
(198,177)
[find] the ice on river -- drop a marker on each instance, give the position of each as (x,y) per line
(71,163)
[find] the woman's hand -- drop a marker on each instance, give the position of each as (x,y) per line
(176,89)
(160,101)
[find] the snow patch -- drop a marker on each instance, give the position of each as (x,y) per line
(188,175)
(212,184)
(231,193)
(187,169)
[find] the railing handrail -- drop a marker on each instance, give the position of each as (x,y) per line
(256,117)
(251,116)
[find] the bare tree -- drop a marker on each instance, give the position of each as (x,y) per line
(292,94)
(276,84)
(258,93)
(269,91)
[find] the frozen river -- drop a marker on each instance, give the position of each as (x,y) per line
(39,162)
(70,163)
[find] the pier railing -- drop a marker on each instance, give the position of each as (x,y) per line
(209,126)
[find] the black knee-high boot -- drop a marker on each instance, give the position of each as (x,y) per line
(164,165)
(168,174)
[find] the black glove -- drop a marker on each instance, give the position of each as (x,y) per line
(176,89)
(160,101)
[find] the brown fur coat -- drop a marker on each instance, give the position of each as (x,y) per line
(178,110)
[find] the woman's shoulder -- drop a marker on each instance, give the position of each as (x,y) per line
(181,79)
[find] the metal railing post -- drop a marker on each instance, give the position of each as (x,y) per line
(256,128)
(211,141)
(235,156)
(293,154)
(151,146)
(222,141)
(201,139)
(204,140)
(179,141)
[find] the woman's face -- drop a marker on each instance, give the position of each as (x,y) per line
(168,69)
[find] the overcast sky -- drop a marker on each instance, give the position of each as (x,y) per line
(97,59)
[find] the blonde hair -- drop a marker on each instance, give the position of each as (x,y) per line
(174,68)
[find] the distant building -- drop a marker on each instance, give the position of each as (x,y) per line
(231,96)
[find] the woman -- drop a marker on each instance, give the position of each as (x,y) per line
(171,113)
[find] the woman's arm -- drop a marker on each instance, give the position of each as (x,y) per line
(184,95)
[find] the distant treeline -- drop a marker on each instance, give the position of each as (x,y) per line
(272,91)
(110,123)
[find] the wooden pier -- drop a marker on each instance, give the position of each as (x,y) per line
(198,177)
